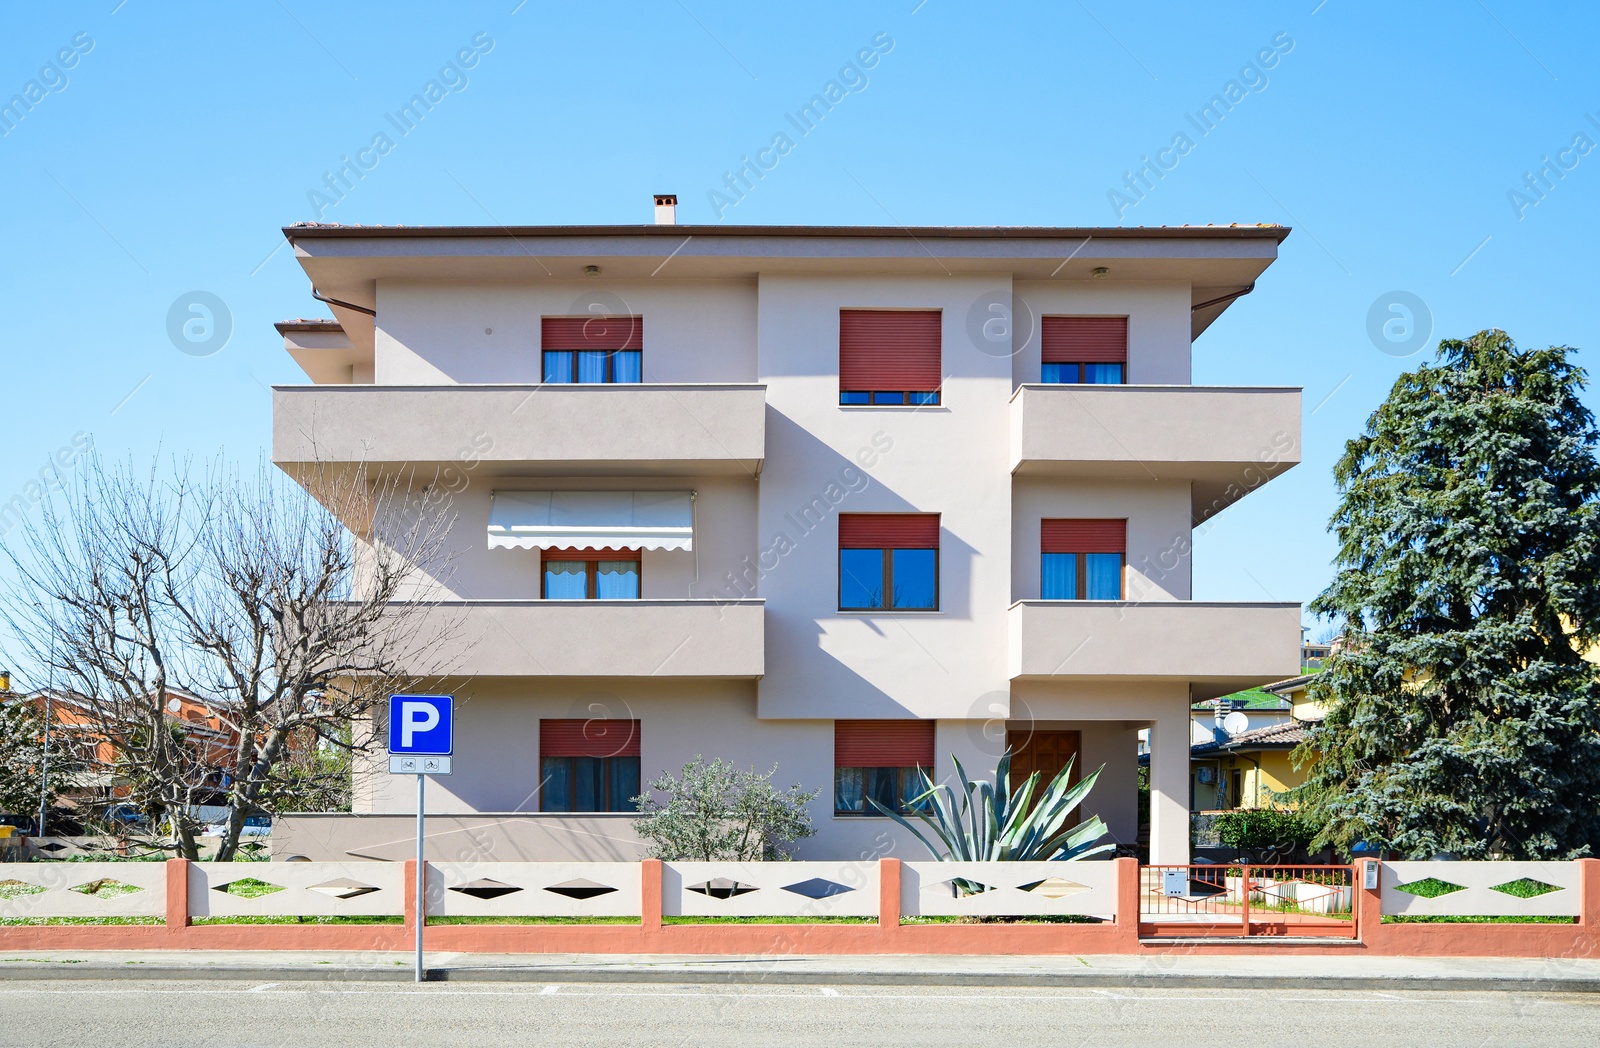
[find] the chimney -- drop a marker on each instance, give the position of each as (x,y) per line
(666,209)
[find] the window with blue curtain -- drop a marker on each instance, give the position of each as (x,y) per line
(1102,576)
(566,579)
(1058,580)
(593,366)
(589,784)
(584,575)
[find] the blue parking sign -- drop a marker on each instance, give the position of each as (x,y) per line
(421,725)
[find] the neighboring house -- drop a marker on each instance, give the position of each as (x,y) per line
(1249,769)
(76,731)
(847,500)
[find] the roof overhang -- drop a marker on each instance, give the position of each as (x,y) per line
(346,262)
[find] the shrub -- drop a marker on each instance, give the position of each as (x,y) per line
(1256,828)
(718,812)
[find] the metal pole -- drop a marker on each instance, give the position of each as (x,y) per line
(49,715)
(422,879)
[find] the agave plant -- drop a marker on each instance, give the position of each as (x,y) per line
(995,824)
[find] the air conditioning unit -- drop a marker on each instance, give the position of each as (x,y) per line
(1208,775)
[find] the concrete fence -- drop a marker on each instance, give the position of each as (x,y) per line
(883,906)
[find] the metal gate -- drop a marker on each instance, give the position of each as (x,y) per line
(1219,900)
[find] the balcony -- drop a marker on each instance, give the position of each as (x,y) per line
(1218,648)
(589,638)
(592,430)
(1225,441)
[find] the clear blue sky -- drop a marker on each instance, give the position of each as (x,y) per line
(167,157)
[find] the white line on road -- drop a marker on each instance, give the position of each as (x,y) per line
(262,988)
(828,991)
(571,992)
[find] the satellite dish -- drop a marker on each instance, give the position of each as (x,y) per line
(1236,723)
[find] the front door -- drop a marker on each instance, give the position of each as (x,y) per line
(1045,752)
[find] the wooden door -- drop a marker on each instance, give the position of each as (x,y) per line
(1045,752)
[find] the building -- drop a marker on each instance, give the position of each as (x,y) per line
(1251,767)
(847,500)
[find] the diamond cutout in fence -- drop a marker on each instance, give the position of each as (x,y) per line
(248,888)
(1429,888)
(580,888)
(105,888)
(722,888)
(1054,887)
(961,887)
(484,888)
(818,888)
(1525,888)
(50,846)
(15,889)
(342,888)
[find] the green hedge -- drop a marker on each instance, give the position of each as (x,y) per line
(1263,828)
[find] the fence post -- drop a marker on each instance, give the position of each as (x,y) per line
(650,885)
(1368,905)
(410,892)
(177,897)
(1589,895)
(888,898)
(1128,900)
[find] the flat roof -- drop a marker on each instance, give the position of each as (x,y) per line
(1268,231)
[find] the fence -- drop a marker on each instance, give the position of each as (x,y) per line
(1220,899)
(885,906)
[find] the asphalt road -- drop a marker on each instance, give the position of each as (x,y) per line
(108,1014)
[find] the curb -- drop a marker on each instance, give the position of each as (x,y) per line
(692,976)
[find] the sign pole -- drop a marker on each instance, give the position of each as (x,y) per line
(422,877)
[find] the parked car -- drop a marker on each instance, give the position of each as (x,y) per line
(22,823)
(254,826)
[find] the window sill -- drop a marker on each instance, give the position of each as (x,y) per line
(893,407)
(886,612)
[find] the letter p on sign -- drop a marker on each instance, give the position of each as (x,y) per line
(421,725)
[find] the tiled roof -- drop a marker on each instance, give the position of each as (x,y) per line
(1289,733)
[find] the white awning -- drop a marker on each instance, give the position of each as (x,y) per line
(591,520)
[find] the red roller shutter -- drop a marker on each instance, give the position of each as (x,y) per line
(592,332)
(1085,340)
(888,531)
(1084,536)
(889,350)
(588,738)
(882,743)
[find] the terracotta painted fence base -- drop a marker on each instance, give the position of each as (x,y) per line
(887,936)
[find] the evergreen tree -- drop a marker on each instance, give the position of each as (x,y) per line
(1462,717)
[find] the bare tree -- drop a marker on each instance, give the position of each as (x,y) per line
(290,610)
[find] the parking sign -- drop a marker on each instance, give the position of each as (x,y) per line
(421,725)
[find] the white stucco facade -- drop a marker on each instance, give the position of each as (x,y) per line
(738,648)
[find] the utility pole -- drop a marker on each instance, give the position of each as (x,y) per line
(49,715)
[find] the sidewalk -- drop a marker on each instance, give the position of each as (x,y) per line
(1537,975)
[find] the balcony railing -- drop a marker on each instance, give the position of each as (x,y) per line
(1225,441)
(622,429)
(1218,648)
(591,638)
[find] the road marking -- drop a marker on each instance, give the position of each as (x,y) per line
(1046,994)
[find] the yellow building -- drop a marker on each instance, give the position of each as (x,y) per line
(1253,769)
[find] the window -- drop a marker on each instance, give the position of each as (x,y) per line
(1082,559)
(888,561)
(1091,350)
(591,574)
(588,765)
(882,760)
(593,349)
(889,356)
